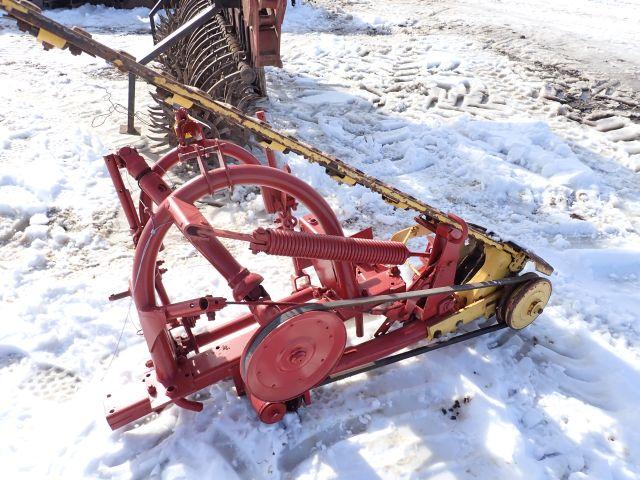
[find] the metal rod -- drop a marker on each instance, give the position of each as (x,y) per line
(156,8)
(131,106)
(219,232)
(185,29)
(392,297)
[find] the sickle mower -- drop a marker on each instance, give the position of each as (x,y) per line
(282,348)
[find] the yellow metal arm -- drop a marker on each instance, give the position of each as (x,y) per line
(54,34)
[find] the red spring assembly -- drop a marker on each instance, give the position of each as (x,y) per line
(289,243)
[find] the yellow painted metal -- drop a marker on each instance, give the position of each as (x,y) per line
(485,307)
(51,39)
(180,101)
(19,6)
(408,233)
(273,146)
(496,265)
(526,303)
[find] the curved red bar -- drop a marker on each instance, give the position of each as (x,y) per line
(142,286)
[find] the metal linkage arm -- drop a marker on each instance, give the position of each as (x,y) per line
(185,29)
(152,13)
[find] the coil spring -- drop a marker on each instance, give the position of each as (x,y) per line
(328,247)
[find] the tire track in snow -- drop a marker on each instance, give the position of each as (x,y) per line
(375,121)
(574,89)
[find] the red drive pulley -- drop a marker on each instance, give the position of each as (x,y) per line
(292,354)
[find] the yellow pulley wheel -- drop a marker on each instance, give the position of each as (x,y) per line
(526,303)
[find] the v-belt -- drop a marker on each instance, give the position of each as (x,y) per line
(376,300)
(414,352)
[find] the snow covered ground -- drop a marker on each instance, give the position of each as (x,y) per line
(596,36)
(435,111)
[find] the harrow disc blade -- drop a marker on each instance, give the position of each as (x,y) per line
(292,354)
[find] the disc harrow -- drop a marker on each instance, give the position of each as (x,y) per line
(281,349)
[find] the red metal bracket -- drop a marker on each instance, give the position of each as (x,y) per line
(346,267)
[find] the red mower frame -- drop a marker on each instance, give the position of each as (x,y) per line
(275,367)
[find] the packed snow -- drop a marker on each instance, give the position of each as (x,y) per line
(597,35)
(433,112)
